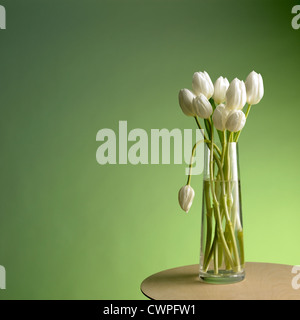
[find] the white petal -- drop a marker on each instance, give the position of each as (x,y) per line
(254,88)
(202,84)
(220,87)
(236,95)
(185,98)
(185,197)
(202,106)
(219,117)
(235,121)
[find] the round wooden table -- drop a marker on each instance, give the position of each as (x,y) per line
(263,281)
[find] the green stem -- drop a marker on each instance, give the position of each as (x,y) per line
(208,222)
(220,253)
(240,237)
(208,127)
(200,128)
(224,203)
(223,148)
(192,158)
(204,136)
(216,205)
(227,204)
(212,250)
(216,263)
(234,263)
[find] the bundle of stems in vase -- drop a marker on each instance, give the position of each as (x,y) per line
(220,106)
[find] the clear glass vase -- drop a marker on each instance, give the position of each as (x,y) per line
(222,245)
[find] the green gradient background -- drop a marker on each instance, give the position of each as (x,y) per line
(73,229)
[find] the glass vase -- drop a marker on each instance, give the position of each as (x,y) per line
(222,245)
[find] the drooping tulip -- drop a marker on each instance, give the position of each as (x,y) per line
(236,95)
(236,121)
(254,87)
(220,87)
(185,197)
(186,102)
(202,106)
(203,84)
(220,116)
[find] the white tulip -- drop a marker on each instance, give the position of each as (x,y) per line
(185,197)
(236,95)
(235,121)
(202,106)
(203,84)
(221,85)
(254,87)
(220,116)
(186,102)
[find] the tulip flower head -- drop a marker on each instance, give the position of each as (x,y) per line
(202,106)
(185,197)
(220,116)
(236,95)
(254,88)
(203,84)
(219,106)
(186,102)
(236,121)
(220,87)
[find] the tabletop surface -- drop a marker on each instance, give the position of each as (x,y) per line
(263,281)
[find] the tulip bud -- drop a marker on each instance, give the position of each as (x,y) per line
(221,85)
(202,106)
(235,121)
(220,116)
(186,102)
(254,87)
(185,197)
(236,95)
(203,84)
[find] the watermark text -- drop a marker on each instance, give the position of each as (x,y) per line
(2,17)
(2,278)
(296,18)
(162,146)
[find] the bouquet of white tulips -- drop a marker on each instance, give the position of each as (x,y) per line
(220,105)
